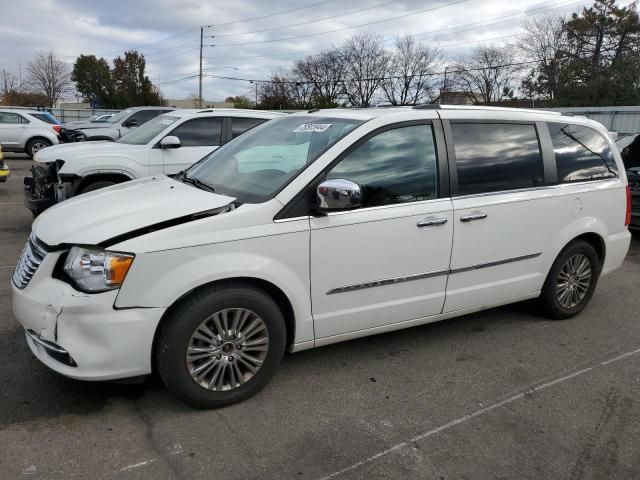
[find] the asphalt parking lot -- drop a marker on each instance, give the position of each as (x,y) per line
(501,394)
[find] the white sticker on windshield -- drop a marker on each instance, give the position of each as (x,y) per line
(312,127)
(166,121)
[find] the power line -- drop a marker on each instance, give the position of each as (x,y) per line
(142,47)
(394,77)
(456,28)
(341,29)
(307,22)
(270,15)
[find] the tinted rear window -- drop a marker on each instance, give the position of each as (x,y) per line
(239,125)
(581,153)
(45,118)
(492,157)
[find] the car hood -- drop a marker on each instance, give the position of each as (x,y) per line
(67,151)
(95,217)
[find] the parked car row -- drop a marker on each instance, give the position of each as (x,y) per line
(166,144)
(112,128)
(310,229)
(630,152)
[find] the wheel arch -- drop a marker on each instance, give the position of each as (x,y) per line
(36,137)
(117,177)
(266,286)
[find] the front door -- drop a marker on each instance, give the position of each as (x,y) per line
(387,261)
(198,138)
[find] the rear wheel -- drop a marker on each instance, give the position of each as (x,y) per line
(221,345)
(571,281)
(35,145)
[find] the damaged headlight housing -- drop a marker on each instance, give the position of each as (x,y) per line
(97,270)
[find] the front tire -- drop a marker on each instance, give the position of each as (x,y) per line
(221,345)
(571,281)
(97,185)
(35,145)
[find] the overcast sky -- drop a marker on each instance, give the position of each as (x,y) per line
(246,46)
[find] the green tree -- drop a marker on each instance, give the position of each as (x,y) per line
(132,86)
(240,101)
(603,56)
(94,81)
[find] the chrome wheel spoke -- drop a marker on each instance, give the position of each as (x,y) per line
(227,349)
(573,281)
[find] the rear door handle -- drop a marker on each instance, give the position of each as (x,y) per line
(431,222)
(477,215)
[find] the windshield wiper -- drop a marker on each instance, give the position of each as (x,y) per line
(197,183)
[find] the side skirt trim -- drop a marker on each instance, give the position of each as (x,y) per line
(421,276)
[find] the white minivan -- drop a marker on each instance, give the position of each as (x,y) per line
(320,227)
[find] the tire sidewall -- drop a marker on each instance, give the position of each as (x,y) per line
(176,333)
(97,185)
(30,151)
(551,284)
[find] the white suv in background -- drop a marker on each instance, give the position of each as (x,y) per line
(320,227)
(166,145)
(27,131)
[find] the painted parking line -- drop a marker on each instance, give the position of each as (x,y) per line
(477,413)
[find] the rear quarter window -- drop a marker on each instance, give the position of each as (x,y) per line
(581,153)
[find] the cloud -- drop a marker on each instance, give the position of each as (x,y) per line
(167,32)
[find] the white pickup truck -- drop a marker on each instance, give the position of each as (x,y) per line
(166,144)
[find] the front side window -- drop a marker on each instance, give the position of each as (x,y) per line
(147,132)
(239,125)
(581,153)
(202,132)
(395,166)
(256,165)
(492,157)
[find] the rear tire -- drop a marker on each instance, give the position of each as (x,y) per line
(35,145)
(97,185)
(221,345)
(571,281)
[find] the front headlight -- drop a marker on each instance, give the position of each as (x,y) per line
(97,270)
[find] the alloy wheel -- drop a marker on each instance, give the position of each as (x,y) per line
(574,280)
(227,349)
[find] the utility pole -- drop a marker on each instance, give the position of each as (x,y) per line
(200,76)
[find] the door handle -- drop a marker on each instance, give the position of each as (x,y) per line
(477,215)
(431,222)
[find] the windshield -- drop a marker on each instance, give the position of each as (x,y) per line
(625,140)
(148,130)
(257,164)
(120,116)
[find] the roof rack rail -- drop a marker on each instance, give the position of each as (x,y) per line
(428,106)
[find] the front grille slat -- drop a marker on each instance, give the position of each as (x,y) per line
(32,256)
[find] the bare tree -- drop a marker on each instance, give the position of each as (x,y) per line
(544,41)
(411,72)
(323,72)
(488,74)
(8,86)
(49,76)
(365,63)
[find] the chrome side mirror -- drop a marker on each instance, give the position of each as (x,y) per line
(338,194)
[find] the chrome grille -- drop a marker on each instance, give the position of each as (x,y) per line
(32,256)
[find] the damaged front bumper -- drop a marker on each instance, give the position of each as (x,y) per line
(45,187)
(82,335)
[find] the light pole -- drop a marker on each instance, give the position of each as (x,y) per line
(256,84)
